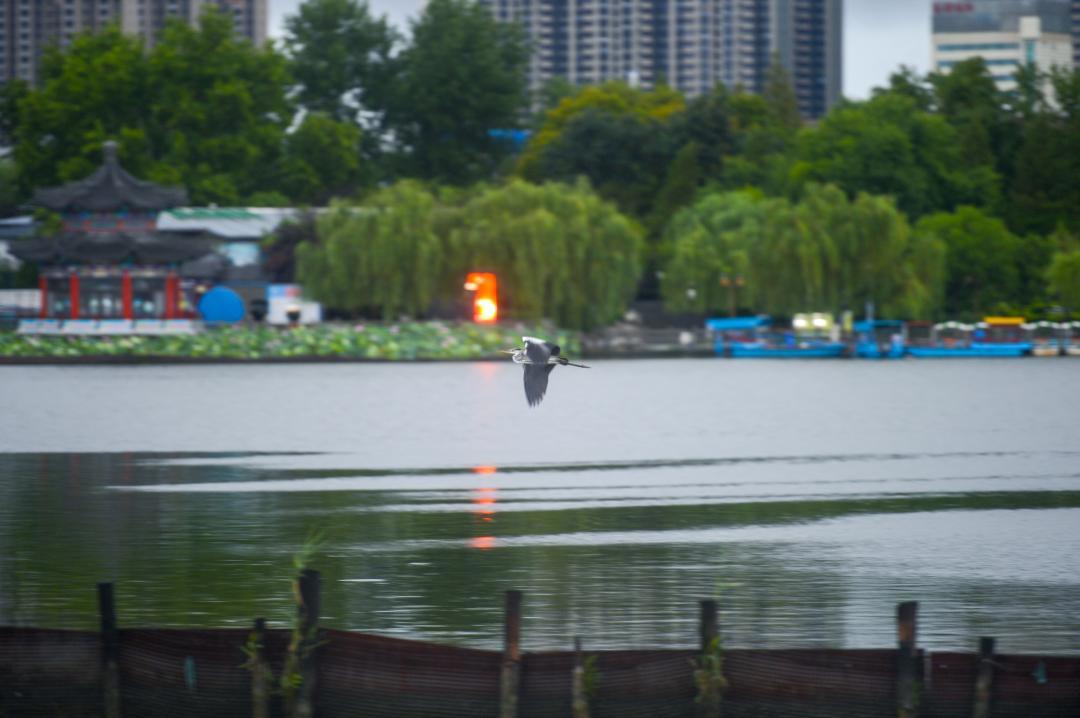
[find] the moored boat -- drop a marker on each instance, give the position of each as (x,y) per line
(992,337)
(754,337)
(880,339)
(1047,338)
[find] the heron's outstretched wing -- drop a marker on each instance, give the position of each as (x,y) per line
(536,381)
(537,350)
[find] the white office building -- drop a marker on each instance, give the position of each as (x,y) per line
(1004,33)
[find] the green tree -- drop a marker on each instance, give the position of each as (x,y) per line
(888,146)
(1045,188)
(711,241)
(762,143)
(322,159)
(99,88)
(9,187)
(1063,279)
(981,259)
(609,100)
(560,251)
(11,94)
(462,75)
(825,252)
(908,83)
(624,141)
(279,249)
(341,57)
(684,178)
(708,123)
(381,259)
(219,112)
(623,155)
(967,98)
(549,95)
(779,95)
(201,109)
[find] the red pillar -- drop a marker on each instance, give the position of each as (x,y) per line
(126,298)
(74,293)
(43,287)
(172,288)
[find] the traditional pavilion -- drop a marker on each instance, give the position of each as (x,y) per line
(109,263)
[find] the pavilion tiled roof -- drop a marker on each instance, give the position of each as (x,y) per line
(109,189)
(114,247)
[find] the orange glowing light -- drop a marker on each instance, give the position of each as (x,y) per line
(485,297)
(486,310)
(485,470)
(482,542)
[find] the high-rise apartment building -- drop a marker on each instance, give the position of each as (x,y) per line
(1005,33)
(1076,33)
(27,27)
(689,44)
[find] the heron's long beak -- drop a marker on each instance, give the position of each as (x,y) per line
(581,366)
(506,351)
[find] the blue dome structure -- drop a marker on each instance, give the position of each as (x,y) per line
(221,305)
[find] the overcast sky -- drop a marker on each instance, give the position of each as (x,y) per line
(879,35)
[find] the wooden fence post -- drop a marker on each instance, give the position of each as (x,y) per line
(261,675)
(984,678)
(110,650)
(301,703)
(511,664)
(710,667)
(908,675)
(708,625)
(579,699)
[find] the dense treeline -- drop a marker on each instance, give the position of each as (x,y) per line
(938,195)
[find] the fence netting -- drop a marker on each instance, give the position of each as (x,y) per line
(201,673)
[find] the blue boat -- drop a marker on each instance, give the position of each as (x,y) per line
(992,337)
(973,350)
(800,350)
(880,339)
(750,337)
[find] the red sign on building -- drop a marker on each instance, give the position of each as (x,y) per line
(940,8)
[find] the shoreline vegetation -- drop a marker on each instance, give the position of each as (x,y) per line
(405,341)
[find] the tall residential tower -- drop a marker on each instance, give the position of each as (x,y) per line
(1076,32)
(689,44)
(27,27)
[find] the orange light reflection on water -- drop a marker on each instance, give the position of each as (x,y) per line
(484,500)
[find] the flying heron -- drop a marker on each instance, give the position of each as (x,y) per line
(538,359)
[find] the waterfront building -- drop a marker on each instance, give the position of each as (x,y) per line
(690,44)
(1005,33)
(27,27)
(109,262)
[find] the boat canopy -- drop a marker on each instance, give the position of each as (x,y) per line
(865,326)
(1003,321)
(737,324)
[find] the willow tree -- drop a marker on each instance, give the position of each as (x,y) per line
(862,250)
(559,250)
(1063,277)
(383,258)
(709,244)
(825,252)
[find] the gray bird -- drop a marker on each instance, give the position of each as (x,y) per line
(538,358)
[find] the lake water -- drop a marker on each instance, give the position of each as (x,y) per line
(809,497)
